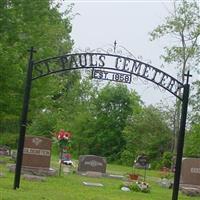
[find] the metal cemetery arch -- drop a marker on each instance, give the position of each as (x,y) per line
(104,66)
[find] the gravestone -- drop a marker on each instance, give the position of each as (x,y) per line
(142,161)
(37,152)
(190,173)
(92,184)
(5,151)
(190,176)
(165,183)
(36,156)
(92,163)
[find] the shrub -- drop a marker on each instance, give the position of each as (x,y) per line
(43,125)
(156,165)
(127,158)
(9,139)
(167,159)
(134,187)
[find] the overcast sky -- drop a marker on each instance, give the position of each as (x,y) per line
(100,23)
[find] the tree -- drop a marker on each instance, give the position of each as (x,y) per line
(183,26)
(192,142)
(25,24)
(69,108)
(113,105)
(193,136)
(169,115)
(147,133)
(76,106)
(195,104)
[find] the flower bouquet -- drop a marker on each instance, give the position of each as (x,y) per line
(140,186)
(137,186)
(64,141)
(63,138)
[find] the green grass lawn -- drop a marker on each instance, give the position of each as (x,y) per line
(70,187)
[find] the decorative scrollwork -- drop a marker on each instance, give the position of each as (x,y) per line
(144,81)
(109,49)
(161,89)
(135,78)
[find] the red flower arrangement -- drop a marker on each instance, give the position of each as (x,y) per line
(63,135)
(63,138)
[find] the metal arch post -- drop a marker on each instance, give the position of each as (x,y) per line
(23,122)
(180,144)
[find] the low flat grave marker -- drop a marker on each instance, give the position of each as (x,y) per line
(92,184)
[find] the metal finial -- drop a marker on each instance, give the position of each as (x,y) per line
(115,45)
(188,75)
(32,50)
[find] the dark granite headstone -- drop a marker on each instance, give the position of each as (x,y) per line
(190,172)
(142,161)
(37,153)
(92,163)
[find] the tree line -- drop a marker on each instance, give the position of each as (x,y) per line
(110,121)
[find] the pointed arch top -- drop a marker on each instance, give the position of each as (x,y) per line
(108,67)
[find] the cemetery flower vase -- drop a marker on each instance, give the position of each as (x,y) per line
(63,139)
(133,176)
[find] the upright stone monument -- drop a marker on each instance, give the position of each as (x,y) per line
(37,156)
(37,152)
(190,173)
(142,161)
(92,163)
(190,176)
